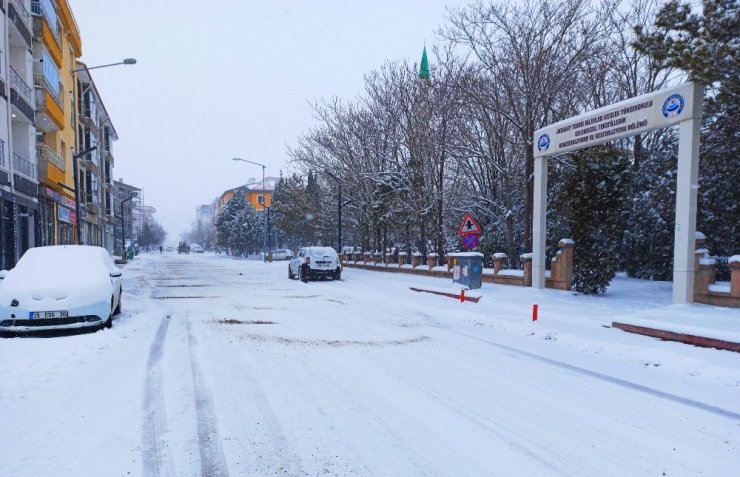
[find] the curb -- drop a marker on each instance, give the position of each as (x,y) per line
(680,337)
(451,295)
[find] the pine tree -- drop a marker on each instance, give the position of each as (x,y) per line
(239,227)
(591,205)
(706,46)
(649,232)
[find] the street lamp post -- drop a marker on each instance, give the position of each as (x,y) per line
(126,61)
(339,209)
(75,174)
(123,229)
(263,203)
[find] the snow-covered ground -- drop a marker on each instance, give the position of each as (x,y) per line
(225,367)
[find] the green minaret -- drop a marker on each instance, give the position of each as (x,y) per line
(424,68)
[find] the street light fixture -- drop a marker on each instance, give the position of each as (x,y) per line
(263,203)
(126,61)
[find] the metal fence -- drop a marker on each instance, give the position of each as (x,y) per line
(722,271)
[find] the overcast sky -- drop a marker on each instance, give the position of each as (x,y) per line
(222,79)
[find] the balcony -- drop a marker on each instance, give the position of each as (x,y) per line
(24,166)
(49,105)
(88,162)
(88,115)
(93,208)
(19,16)
(20,84)
(21,95)
(46,10)
(4,176)
(44,152)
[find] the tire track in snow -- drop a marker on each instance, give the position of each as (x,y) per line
(240,379)
(611,379)
(156,462)
(212,459)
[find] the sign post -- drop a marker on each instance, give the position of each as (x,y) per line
(681,105)
(469,230)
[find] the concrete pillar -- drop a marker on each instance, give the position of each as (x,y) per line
(402,258)
(432,260)
(527,262)
(735,277)
(498,262)
(415,260)
(565,261)
(539,222)
(686,192)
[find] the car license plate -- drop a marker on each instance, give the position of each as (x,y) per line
(35,315)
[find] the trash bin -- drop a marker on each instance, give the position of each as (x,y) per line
(467,269)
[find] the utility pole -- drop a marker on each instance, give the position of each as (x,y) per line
(339,209)
(75,174)
(123,229)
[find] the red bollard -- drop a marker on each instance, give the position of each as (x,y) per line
(462,295)
(534,312)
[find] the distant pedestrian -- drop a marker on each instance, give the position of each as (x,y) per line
(160,250)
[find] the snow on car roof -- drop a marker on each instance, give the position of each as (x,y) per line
(55,264)
(322,251)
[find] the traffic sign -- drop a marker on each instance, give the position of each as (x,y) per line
(469,226)
(470,241)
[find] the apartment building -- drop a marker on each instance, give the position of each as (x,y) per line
(126,200)
(56,47)
(18,172)
(253,191)
(95,129)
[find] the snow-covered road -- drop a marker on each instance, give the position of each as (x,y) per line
(226,367)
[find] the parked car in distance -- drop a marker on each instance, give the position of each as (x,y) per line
(60,287)
(169,249)
(313,263)
(195,248)
(282,254)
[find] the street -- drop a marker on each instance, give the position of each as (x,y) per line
(226,367)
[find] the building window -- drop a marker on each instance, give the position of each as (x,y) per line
(51,72)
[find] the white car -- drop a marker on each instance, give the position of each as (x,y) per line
(60,287)
(315,262)
(282,254)
(196,248)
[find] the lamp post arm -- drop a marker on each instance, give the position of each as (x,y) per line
(127,61)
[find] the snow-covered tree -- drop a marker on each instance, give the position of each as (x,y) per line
(590,203)
(240,228)
(705,43)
